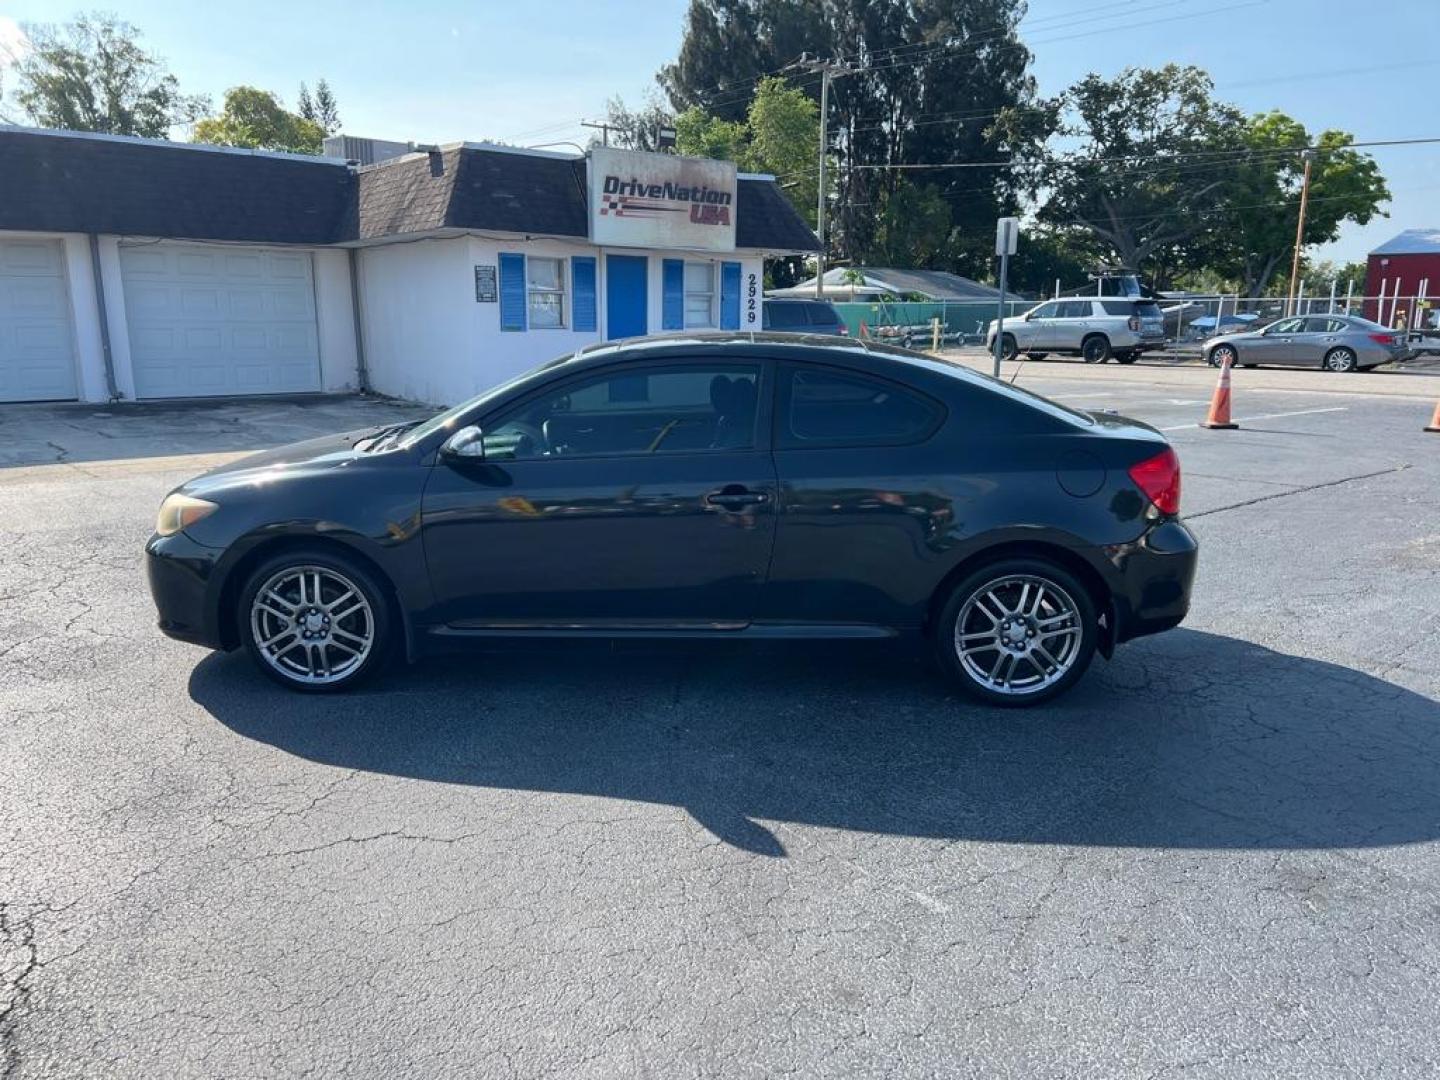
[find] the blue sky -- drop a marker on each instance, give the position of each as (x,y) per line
(528,72)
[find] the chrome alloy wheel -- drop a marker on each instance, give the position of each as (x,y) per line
(312,624)
(1018,634)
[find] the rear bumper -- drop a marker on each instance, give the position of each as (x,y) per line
(181,576)
(1152,579)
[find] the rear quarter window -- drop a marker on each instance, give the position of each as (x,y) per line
(827,407)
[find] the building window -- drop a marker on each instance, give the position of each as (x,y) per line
(545,287)
(699,295)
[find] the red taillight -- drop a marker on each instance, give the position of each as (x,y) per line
(1159,478)
(1134,323)
(1383,339)
(844,331)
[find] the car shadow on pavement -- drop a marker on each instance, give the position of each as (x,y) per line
(1186,740)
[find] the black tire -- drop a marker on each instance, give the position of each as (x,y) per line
(1095,349)
(328,574)
(1126,357)
(1216,356)
(1036,355)
(1008,348)
(1341,359)
(967,601)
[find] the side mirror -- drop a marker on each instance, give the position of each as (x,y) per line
(467,444)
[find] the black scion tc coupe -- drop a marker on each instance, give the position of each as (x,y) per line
(727,485)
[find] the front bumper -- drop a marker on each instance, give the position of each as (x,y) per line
(1152,579)
(182,581)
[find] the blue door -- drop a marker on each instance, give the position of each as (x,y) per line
(626,296)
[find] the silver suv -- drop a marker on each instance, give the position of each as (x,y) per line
(1094,328)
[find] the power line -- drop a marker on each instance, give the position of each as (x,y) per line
(1042,163)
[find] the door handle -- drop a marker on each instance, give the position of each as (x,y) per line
(735,497)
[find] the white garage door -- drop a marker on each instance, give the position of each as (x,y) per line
(209,320)
(37,354)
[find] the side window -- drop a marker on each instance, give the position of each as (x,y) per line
(1075,309)
(1044,311)
(1318,324)
(1287,326)
(825,407)
(681,409)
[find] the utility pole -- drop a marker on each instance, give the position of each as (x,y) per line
(602,127)
(828,70)
(1308,156)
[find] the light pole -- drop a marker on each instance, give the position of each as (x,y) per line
(828,69)
(1308,156)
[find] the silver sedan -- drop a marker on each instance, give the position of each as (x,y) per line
(1332,342)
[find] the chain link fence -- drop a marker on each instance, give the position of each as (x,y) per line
(1189,320)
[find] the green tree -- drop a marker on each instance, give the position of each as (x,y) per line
(1252,229)
(635,129)
(327,112)
(779,135)
(912,229)
(930,75)
(784,139)
(92,74)
(698,134)
(1319,273)
(320,109)
(256,119)
(1148,153)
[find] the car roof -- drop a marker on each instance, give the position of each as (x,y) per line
(737,343)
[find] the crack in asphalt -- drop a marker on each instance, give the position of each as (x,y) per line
(1301,490)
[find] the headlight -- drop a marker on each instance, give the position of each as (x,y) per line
(180,512)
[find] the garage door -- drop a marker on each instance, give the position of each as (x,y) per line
(206,321)
(37,352)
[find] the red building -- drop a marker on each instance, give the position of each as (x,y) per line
(1402,275)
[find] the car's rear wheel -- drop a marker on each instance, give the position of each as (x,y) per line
(1008,348)
(314,621)
(1341,359)
(1016,632)
(1095,349)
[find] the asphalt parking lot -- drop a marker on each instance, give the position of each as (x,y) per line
(1216,858)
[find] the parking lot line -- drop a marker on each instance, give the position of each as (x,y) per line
(1263,416)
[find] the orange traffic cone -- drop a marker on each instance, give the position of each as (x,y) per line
(1434,425)
(1219,416)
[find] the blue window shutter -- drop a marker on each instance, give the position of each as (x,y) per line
(512,292)
(582,277)
(730,296)
(673,284)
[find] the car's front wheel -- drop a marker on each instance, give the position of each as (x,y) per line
(1016,632)
(314,621)
(1008,347)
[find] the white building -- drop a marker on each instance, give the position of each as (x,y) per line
(134,269)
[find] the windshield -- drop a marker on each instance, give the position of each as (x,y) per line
(446,421)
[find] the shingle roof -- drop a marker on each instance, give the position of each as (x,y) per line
(1411,242)
(479,189)
(765,219)
(67,182)
(80,183)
